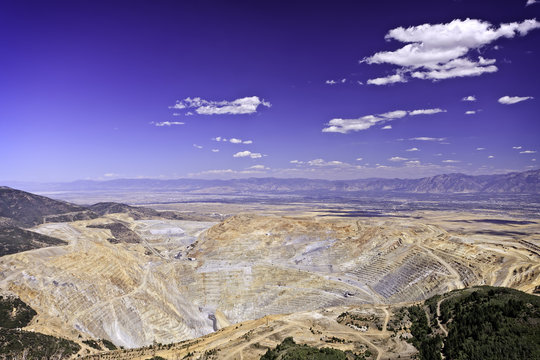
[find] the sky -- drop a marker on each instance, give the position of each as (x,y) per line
(319,89)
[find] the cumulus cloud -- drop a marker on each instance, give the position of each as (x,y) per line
(391,79)
(246,105)
(528,152)
(167,123)
(509,100)
(345,126)
(397,158)
(413,149)
(247,153)
(469,98)
(440,51)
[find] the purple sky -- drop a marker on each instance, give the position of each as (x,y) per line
(107,89)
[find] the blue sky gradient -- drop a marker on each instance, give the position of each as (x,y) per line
(85,86)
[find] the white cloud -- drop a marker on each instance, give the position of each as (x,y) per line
(516,147)
(412,162)
(247,153)
(232,140)
(345,126)
(359,159)
(258,167)
(246,105)
(440,51)
(390,79)
(197,146)
(531,2)
(470,112)
(491,157)
(480,148)
(296,162)
(330,82)
(397,158)
(469,98)
(167,123)
(413,149)
(450,161)
(321,162)
(425,138)
(533,159)
(386,127)
(508,100)
(215,150)
(426,111)
(528,152)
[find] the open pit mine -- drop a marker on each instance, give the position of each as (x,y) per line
(138,281)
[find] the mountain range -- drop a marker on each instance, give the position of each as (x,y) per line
(527,182)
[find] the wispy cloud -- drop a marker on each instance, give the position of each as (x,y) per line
(197,146)
(440,51)
(480,148)
(516,147)
(166,123)
(247,153)
(246,105)
(345,126)
(426,138)
(413,149)
(334,82)
(509,100)
(450,161)
(470,112)
(528,152)
(386,127)
(215,150)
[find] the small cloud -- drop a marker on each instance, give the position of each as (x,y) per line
(528,152)
(413,149)
(491,157)
(247,142)
(330,82)
(215,150)
(531,2)
(509,100)
(469,98)
(426,111)
(480,148)
(412,162)
(387,127)
(321,162)
(167,123)
(296,162)
(258,167)
(245,105)
(345,126)
(391,79)
(397,158)
(247,153)
(232,140)
(359,159)
(450,161)
(533,159)
(516,147)
(235,141)
(109,175)
(470,112)
(426,138)
(197,146)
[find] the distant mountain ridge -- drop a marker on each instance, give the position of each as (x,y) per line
(527,182)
